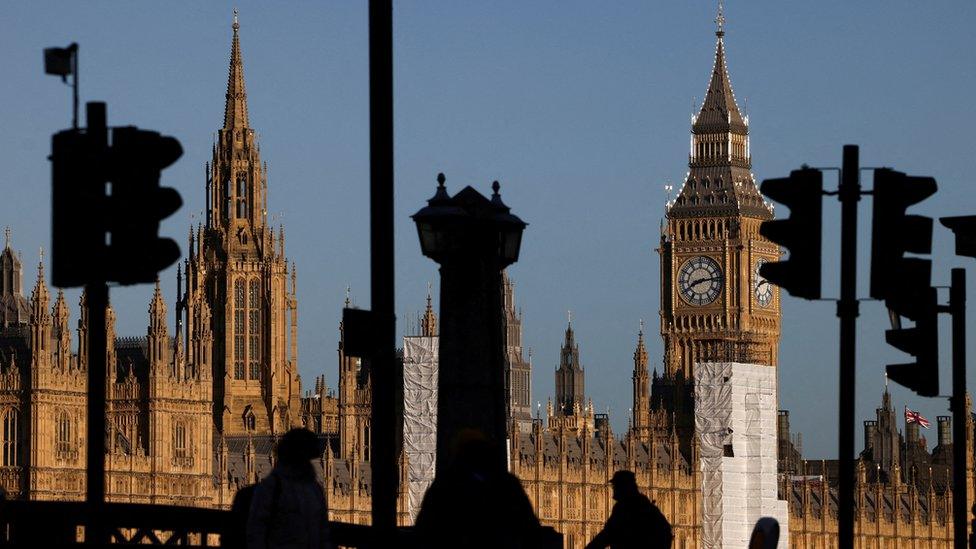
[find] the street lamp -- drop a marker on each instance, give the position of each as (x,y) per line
(473,239)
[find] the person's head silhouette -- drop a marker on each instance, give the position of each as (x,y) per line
(765,535)
(624,484)
(471,451)
(297,447)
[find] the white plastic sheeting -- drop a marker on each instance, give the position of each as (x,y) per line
(419,416)
(735,421)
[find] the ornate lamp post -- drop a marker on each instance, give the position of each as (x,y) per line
(473,239)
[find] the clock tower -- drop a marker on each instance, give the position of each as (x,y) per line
(714,305)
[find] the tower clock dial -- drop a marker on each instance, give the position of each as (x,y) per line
(764,290)
(700,280)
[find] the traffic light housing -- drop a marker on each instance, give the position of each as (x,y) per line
(893,233)
(78,213)
(921,376)
(802,193)
(102,236)
(964,227)
(138,204)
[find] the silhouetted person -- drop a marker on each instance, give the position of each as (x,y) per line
(288,509)
(765,535)
(475,503)
(235,530)
(634,521)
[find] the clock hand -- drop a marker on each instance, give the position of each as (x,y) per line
(699,281)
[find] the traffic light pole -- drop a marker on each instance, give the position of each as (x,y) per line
(385,372)
(96,299)
(960,507)
(849,193)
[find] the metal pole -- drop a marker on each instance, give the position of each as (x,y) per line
(960,507)
(74,92)
(96,296)
(387,375)
(849,194)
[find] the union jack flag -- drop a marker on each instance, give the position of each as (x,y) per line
(911,416)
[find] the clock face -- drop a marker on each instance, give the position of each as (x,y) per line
(764,290)
(700,280)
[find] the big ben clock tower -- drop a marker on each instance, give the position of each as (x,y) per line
(714,305)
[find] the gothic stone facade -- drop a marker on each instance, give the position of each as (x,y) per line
(194,415)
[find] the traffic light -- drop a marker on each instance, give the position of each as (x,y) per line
(893,233)
(921,376)
(110,236)
(964,227)
(138,204)
(77,207)
(802,193)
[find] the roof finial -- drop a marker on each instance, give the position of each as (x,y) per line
(42,255)
(348,289)
(236,24)
(569,317)
(720,20)
(6,236)
(642,326)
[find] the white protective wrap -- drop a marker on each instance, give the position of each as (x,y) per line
(735,421)
(419,416)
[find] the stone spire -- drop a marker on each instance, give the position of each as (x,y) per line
(40,324)
(14,307)
(158,337)
(235,109)
(569,374)
(428,323)
(62,333)
(40,297)
(642,403)
(157,311)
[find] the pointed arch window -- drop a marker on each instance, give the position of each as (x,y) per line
(249,420)
(228,206)
(254,330)
(181,440)
(240,306)
(241,196)
(64,436)
(8,437)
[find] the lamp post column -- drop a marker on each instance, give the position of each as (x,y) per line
(473,239)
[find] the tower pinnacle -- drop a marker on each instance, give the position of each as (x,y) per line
(235,108)
(719,20)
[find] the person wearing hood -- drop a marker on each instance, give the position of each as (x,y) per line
(289,510)
(765,535)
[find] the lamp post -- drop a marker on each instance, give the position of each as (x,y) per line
(473,239)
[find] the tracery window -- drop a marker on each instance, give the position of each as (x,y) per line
(64,444)
(240,304)
(181,447)
(254,330)
(8,438)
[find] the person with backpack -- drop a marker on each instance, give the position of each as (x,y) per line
(288,508)
(634,521)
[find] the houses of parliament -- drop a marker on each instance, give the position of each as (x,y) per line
(194,409)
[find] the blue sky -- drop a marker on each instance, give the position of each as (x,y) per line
(580,109)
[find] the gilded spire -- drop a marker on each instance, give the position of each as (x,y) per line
(719,20)
(235,109)
(719,111)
